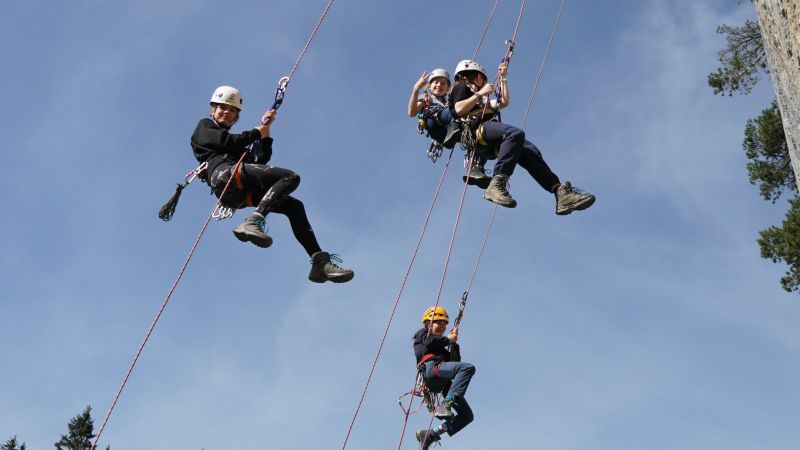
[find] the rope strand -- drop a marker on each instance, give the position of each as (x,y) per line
(199,236)
(161,310)
(494,210)
(308,42)
(397,299)
(544,61)
(485,29)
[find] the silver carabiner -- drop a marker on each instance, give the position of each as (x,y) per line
(222,212)
(195,173)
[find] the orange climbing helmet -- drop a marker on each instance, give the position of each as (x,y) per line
(437,313)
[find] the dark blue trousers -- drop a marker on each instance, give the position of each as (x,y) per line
(459,374)
(515,149)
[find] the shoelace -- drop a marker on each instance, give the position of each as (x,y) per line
(503,184)
(573,190)
(261,224)
(335,257)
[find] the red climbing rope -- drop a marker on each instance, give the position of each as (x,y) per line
(452,238)
(397,299)
(494,210)
(444,273)
(408,270)
(308,42)
(278,100)
(483,246)
(519,19)
(160,311)
(524,121)
(544,61)
(485,29)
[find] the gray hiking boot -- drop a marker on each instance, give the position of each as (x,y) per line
(323,268)
(477,177)
(570,198)
(453,135)
(497,192)
(426,438)
(252,230)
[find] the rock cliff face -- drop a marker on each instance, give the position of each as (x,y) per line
(780,27)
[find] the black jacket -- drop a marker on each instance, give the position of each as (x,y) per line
(462,92)
(213,144)
(440,346)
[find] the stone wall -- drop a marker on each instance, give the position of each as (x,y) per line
(780,27)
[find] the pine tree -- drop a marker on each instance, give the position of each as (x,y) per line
(743,61)
(80,433)
(765,146)
(11,444)
(783,244)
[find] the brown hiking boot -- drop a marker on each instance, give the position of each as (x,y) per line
(497,192)
(570,198)
(324,268)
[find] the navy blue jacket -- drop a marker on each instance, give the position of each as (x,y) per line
(440,346)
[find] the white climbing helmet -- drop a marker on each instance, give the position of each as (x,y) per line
(439,73)
(227,95)
(467,65)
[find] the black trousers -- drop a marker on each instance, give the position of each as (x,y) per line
(270,186)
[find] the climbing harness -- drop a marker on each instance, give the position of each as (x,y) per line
(431,398)
(430,111)
(223,210)
(472,124)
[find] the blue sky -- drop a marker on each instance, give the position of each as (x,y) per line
(648,321)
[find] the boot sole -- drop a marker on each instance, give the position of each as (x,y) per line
(511,204)
(342,278)
(576,207)
(482,183)
(336,279)
(258,241)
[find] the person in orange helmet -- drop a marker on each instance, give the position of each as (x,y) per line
(439,360)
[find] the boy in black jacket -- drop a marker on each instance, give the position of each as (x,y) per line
(470,99)
(254,182)
(439,360)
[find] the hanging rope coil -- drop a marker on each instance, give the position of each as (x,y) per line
(168,209)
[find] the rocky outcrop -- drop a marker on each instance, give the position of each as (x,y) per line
(780,28)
